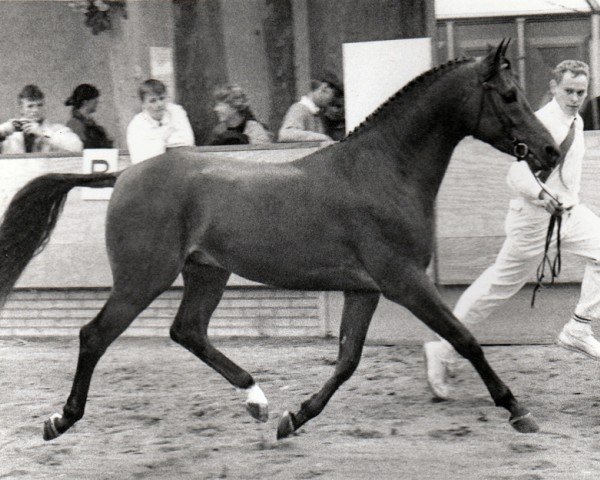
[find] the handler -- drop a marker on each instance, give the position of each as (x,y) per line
(526,228)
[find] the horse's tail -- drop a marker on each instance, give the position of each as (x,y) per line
(32,215)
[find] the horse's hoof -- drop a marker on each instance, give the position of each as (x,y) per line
(258,411)
(524,423)
(50,427)
(286,426)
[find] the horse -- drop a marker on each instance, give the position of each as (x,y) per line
(355,216)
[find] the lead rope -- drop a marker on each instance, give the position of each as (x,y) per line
(554,265)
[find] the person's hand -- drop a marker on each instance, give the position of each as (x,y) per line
(7,128)
(552,205)
(32,128)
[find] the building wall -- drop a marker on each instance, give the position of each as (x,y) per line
(245,51)
(333,23)
(547,41)
(46,42)
(199,57)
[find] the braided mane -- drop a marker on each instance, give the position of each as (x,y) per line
(430,75)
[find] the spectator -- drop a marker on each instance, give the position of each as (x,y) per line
(84,101)
(237,124)
(334,118)
(32,132)
(302,122)
(160,124)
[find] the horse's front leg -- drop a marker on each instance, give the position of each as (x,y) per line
(203,289)
(417,293)
(356,318)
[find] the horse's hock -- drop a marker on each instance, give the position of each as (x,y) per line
(64,287)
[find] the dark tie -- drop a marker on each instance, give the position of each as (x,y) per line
(564,148)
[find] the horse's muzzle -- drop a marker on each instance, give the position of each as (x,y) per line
(548,162)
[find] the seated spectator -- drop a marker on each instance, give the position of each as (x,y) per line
(160,124)
(302,122)
(31,132)
(84,101)
(237,124)
(591,114)
(334,118)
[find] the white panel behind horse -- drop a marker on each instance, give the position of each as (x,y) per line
(374,71)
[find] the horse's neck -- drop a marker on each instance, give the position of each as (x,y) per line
(418,133)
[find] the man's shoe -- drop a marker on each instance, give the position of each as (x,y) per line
(579,342)
(437,370)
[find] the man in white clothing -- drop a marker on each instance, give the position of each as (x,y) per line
(526,228)
(160,124)
(32,132)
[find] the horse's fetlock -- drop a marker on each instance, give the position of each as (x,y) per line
(73,413)
(506,400)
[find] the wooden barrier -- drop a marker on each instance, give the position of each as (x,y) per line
(65,285)
(473,202)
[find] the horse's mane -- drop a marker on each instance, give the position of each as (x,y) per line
(430,75)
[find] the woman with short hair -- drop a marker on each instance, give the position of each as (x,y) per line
(237,124)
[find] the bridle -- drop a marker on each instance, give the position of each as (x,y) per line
(520,149)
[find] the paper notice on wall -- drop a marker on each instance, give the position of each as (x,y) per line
(161,68)
(99,160)
(374,71)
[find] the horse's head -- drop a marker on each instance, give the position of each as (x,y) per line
(503,117)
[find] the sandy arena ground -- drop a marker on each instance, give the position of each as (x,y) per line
(156,412)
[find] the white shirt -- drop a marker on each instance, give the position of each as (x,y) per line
(57,138)
(308,103)
(147,138)
(521,180)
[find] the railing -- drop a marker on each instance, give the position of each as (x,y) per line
(471,207)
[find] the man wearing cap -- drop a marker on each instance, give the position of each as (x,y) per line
(84,101)
(302,122)
(32,132)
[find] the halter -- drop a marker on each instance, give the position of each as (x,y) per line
(520,150)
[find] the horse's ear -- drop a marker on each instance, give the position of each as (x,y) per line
(506,42)
(493,61)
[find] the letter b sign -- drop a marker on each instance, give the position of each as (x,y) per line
(99,160)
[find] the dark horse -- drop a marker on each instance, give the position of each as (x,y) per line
(355,216)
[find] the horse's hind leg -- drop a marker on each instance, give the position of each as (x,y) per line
(203,289)
(117,314)
(356,318)
(419,295)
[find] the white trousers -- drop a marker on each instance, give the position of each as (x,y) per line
(526,227)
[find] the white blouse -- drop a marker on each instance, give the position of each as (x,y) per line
(147,138)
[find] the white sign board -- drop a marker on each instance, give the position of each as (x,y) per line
(99,160)
(374,71)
